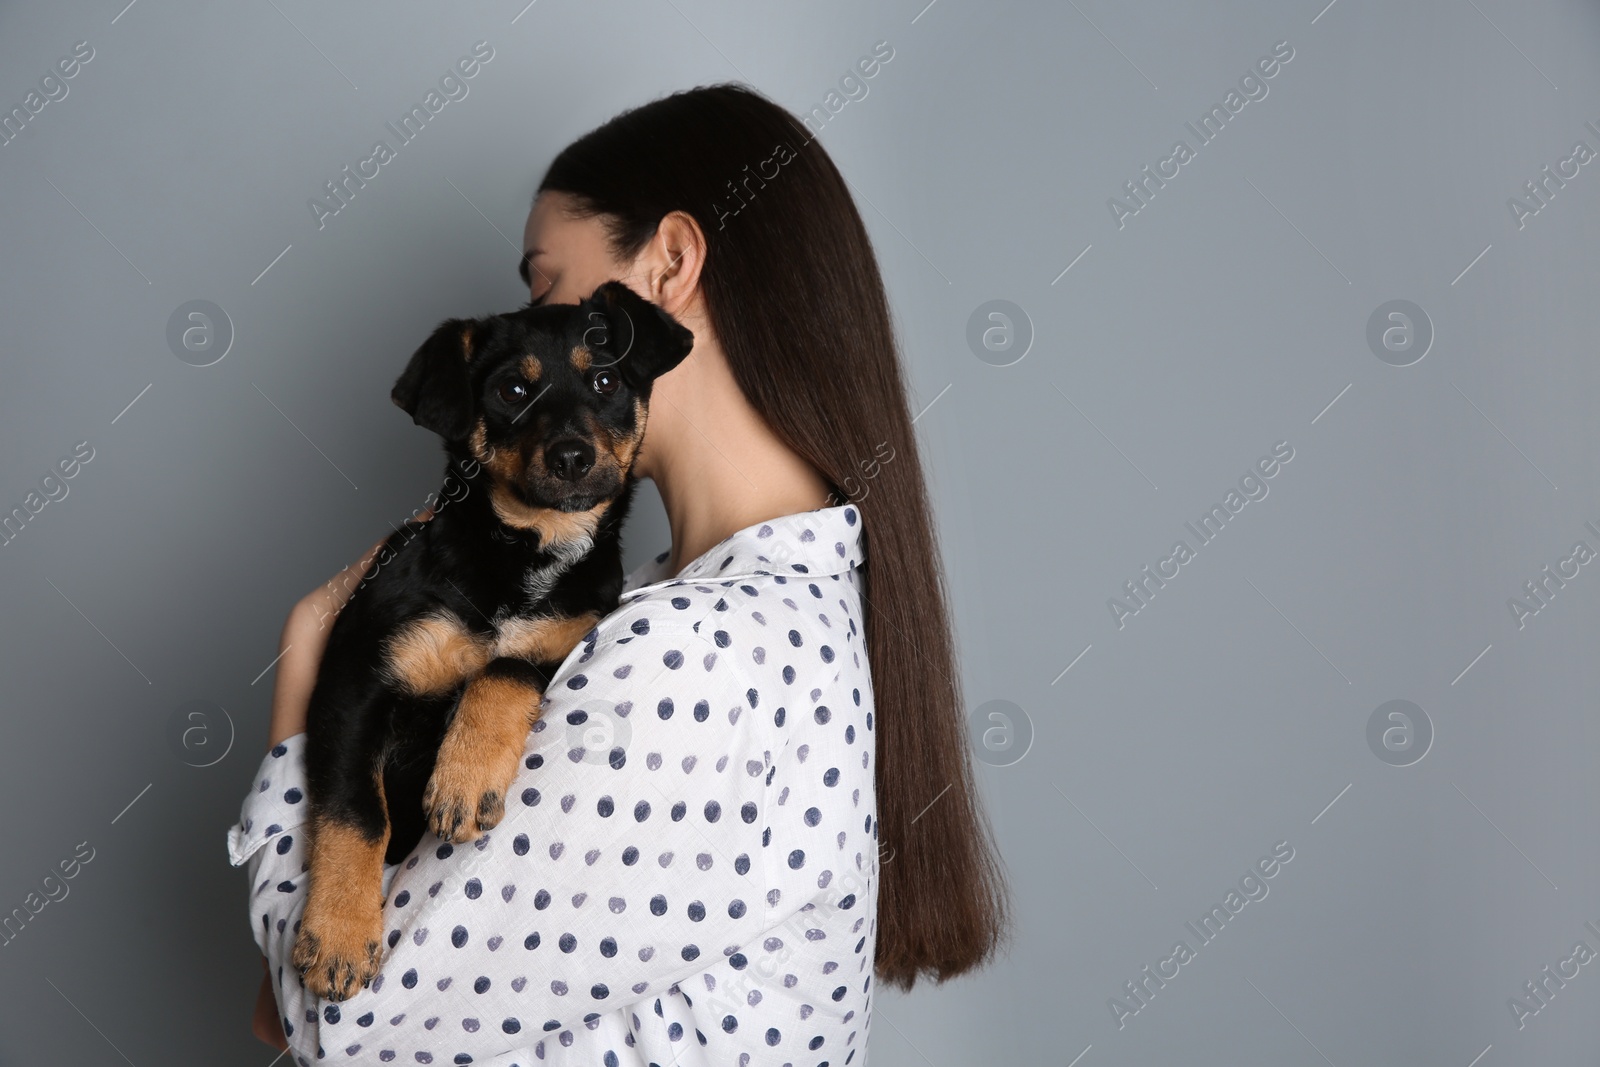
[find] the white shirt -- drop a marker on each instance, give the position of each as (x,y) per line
(686,872)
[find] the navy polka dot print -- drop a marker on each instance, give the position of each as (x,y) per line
(691,874)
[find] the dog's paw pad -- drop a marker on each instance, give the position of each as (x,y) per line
(461,806)
(448,819)
(333,965)
(491,809)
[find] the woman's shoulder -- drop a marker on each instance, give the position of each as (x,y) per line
(765,623)
(796,575)
(822,542)
(799,632)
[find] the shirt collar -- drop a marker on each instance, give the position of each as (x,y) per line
(820,542)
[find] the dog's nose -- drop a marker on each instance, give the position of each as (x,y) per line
(569,459)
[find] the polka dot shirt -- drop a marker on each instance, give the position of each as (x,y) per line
(686,872)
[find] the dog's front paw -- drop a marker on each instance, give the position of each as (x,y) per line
(466,796)
(458,814)
(338,954)
(478,758)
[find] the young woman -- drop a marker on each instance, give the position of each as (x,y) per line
(780,807)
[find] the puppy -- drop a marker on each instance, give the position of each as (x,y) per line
(436,668)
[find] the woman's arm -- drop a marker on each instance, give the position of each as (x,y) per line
(632,855)
(300,645)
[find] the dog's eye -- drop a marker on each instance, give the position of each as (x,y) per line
(606,383)
(512,392)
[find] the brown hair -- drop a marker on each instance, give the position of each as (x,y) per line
(793,293)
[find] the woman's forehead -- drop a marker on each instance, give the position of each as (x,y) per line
(550,225)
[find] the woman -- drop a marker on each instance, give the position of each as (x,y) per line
(749,791)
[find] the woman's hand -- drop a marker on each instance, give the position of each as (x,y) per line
(300,646)
(265,1024)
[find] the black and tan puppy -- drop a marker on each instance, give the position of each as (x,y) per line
(435,669)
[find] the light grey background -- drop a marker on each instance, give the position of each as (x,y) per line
(1226,316)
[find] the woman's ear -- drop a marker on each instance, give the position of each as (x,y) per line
(628,332)
(435,388)
(671,262)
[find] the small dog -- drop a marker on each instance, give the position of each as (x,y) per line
(435,671)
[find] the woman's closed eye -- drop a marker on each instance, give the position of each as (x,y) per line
(527,271)
(542,297)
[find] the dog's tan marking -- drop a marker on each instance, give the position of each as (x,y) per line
(581,358)
(544,640)
(555,527)
(532,368)
(501,461)
(341,933)
(433,653)
(478,759)
(504,463)
(466,342)
(479,443)
(624,447)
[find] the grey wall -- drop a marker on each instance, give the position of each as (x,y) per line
(1161,758)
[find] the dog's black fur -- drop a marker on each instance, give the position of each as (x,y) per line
(435,669)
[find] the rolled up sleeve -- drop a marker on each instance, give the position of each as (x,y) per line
(266,839)
(275,805)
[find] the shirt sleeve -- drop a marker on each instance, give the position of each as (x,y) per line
(632,855)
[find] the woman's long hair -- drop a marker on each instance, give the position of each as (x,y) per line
(793,293)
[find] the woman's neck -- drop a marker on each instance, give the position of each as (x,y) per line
(718,507)
(717,464)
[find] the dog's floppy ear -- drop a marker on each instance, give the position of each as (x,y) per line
(435,389)
(630,333)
